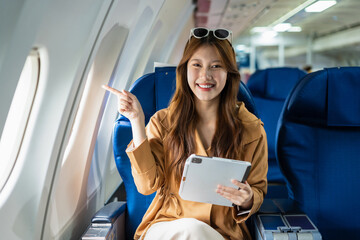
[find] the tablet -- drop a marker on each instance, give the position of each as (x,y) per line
(201,176)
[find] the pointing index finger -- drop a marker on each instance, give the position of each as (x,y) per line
(110,89)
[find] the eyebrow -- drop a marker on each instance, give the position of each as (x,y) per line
(196,59)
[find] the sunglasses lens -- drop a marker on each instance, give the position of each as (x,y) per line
(200,32)
(221,33)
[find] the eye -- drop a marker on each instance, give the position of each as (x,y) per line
(196,65)
(216,66)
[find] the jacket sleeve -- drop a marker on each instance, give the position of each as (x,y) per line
(258,175)
(147,159)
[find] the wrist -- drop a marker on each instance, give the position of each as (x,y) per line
(140,120)
(248,205)
(138,130)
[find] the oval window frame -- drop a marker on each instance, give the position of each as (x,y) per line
(18,115)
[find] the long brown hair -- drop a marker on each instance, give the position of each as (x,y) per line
(180,142)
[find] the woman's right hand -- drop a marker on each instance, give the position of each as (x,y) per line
(128,105)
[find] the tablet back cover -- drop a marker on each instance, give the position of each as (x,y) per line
(202,175)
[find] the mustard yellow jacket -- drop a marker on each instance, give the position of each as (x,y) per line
(148,160)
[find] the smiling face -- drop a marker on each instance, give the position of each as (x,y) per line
(206,74)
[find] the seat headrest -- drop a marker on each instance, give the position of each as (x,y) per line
(154,90)
(328,97)
(165,84)
(274,83)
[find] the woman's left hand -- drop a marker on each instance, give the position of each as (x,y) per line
(243,196)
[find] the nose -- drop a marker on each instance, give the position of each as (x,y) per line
(206,73)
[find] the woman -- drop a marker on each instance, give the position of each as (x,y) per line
(202,118)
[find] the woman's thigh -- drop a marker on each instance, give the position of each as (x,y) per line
(182,229)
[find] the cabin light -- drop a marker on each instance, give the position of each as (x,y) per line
(295,29)
(269,34)
(259,29)
(282,27)
(319,6)
(240,48)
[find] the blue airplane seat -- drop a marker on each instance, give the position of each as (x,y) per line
(317,147)
(270,87)
(154,91)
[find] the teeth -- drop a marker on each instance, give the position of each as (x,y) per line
(205,86)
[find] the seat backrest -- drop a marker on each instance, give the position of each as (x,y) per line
(154,92)
(318,139)
(270,87)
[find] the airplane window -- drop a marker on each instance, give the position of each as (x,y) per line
(18,115)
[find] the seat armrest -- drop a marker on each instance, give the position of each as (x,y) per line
(109,213)
(107,223)
(283,219)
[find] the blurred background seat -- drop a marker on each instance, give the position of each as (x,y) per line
(317,147)
(269,88)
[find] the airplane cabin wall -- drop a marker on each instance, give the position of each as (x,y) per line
(65,169)
(64,39)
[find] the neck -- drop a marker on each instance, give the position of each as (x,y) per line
(207,111)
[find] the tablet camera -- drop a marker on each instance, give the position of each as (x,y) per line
(196,160)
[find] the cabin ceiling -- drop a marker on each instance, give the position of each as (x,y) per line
(242,15)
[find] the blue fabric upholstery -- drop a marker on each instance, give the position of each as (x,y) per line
(318,149)
(154,92)
(270,87)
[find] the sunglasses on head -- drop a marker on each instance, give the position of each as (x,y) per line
(219,33)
